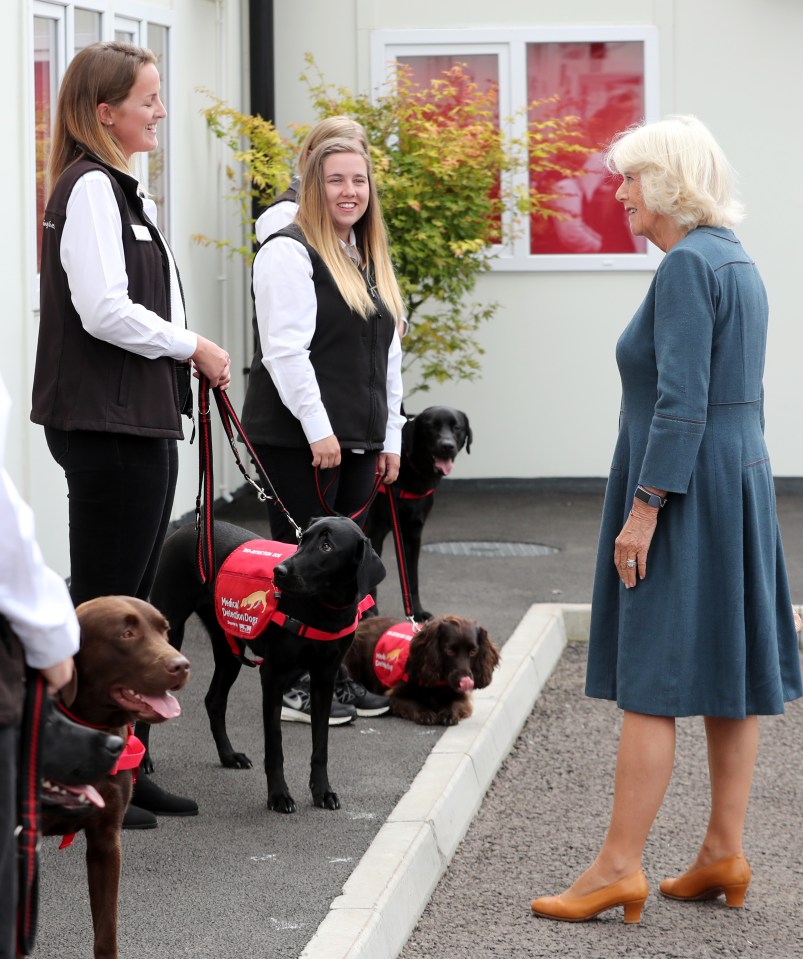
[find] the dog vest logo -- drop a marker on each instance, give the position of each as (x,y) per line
(391,653)
(245,597)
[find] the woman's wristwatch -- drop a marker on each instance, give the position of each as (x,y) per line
(651,499)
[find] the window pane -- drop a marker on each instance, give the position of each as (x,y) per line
(602,84)
(86,25)
(157,159)
(45,78)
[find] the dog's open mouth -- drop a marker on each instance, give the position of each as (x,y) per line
(150,709)
(444,465)
(70,797)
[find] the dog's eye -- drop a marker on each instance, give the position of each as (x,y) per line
(326,546)
(472,652)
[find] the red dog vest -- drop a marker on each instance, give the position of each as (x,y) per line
(391,653)
(245,598)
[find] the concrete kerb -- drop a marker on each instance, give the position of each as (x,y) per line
(386,894)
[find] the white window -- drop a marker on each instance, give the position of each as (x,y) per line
(606,76)
(60,30)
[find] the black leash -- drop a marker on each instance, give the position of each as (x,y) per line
(29,811)
(204,503)
(401,559)
(322,494)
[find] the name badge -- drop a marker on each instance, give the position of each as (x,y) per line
(141,232)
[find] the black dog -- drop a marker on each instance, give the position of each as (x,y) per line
(73,756)
(430,442)
(321,585)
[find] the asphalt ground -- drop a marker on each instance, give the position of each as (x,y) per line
(239,880)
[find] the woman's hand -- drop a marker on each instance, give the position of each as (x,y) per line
(58,675)
(387,466)
(326,452)
(633,543)
(214,362)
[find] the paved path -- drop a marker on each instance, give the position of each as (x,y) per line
(239,880)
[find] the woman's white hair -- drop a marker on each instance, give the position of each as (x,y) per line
(682,170)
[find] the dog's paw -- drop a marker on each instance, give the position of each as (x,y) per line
(146,765)
(236,761)
(281,802)
(421,615)
(329,800)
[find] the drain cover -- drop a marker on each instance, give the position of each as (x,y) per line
(490,549)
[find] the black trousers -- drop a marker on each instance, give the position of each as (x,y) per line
(345,489)
(121,491)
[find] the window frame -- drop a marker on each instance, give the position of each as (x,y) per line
(114,14)
(511,47)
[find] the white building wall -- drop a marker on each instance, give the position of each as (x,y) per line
(547,404)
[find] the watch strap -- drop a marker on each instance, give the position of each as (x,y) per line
(651,499)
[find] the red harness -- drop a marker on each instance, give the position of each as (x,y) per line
(392,652)
(129,758)
(246,596)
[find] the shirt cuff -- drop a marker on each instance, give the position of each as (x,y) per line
(185,343)
(392,441)
(317,427)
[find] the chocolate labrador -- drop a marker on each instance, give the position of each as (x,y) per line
(430,442)
(125,670)
(321,585)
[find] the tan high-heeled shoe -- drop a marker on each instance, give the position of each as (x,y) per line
(630,892)
(730,876)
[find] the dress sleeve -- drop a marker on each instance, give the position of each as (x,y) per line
(686,296)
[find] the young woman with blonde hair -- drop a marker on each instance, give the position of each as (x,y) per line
(324,393)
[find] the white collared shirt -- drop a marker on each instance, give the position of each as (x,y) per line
(92,256)
(33,598)
(287,310)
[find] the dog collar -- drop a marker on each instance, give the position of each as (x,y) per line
(298,628)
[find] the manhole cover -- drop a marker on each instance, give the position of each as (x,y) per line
(491,549)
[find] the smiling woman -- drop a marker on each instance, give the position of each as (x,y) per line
(114,355)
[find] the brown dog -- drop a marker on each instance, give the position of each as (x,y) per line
(447,658)
(125,670)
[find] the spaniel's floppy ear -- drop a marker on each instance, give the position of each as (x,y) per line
(485,661)
(370,568)
(425,660)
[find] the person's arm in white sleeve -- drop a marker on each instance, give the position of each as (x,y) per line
(33,598)
(286,309)
(395,395)
(93,259)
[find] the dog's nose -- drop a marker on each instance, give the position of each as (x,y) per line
(281,569)
(448,448)
(178,666)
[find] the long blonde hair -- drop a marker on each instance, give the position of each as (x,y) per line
(100,73)
(316,223)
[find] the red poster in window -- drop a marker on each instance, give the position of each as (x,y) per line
(603,85)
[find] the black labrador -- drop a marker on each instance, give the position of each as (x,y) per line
(430,442)
(73,756)
(321,585)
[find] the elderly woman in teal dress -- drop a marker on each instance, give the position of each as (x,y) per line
(691,612)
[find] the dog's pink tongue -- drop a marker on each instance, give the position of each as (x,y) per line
(166,705)
(445,466)
(466,684)
(92,795)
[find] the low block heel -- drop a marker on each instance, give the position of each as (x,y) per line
(734,895)
(633,910)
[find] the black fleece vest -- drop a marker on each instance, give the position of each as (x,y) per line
(81,382)
(349,355)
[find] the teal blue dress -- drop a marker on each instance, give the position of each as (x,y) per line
(710,630)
